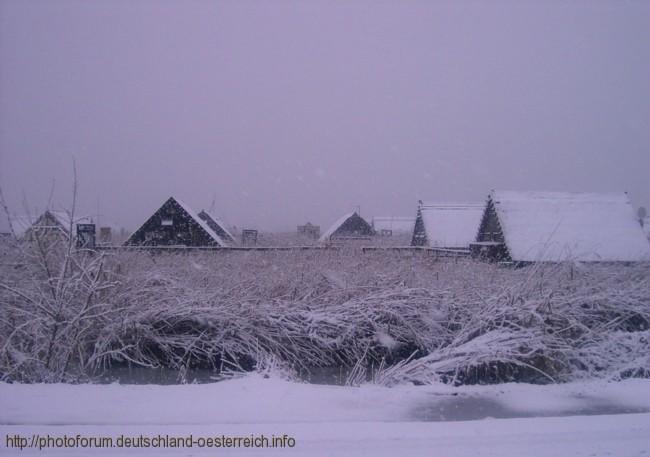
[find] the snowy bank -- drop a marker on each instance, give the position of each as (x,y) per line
(333,420)
(268,400)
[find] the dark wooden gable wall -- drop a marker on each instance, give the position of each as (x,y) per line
(354,226)
(490,231)
(419,233)
(171,225)
(47,228)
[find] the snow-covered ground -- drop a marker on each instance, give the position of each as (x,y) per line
(579,419)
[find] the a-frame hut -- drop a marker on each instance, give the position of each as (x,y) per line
(351,226)
(175,224)
(447,225)
(50,224)
(525,227)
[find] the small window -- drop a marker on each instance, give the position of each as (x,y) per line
(167,221)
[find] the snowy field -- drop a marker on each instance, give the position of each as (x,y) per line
(576,419)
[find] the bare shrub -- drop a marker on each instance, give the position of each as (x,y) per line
(53,297)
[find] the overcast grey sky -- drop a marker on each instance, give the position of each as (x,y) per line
(285,112)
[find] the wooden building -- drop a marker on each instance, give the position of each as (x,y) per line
(309,230)
(50,224)
(175,224)
(349,227)
(447,225)
(249,237)
(560,226)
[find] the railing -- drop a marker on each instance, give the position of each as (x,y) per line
(213,248)
(441,252)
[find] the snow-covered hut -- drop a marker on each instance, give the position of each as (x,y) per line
(560,226)
(309,230)
(447,225)
(351,226)
(174,224)
(50,223)
(217,226)
(392,225)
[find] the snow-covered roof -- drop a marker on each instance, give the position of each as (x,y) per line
(20,224)
(341,221)
(220,223)
(204,225)
(63,218)
(393,223)
(325,236)
(556,226)
(451,225)
(23,223)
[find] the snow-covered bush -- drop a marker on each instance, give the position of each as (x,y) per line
(545,323)
(393,317)
(53,300)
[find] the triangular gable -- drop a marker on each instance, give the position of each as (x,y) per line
(22,224)
(490,242)
(64,219)
(174,223)
(349,225)
(48,220)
